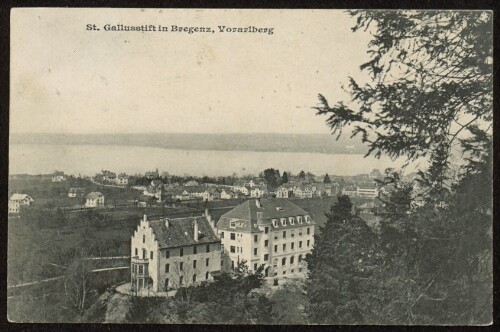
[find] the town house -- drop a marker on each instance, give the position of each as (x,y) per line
(58,176)
(271,232)
(18,200)
(173,253)
(122,179)
(94,199)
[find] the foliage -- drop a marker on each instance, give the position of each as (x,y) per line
(428,94)
(340,267)
(284,179)
(272,178)
(326,179)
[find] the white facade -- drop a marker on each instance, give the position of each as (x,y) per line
(94,200)
(18,200)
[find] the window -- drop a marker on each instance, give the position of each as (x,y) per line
(207,262)
(308,219)
(255,238)
(255,267)
(308,242)
(194,277)
(206,276)
(141,269)
(181,266)
(232,265)
(284,246)
(300,269)
(283,261)
(308,231)
(266,243)
(151,255)
(300,258)
(180,281)
(266,230)
(275,248)
(275,222)
(166,283)
(208,248)
(292,221)
(292,259)
(167,254)
(299,219)
(232,224)
(136,252)
(144,254)
(300,244)
(222,263)
(255,251)
(143,238)
(293,245)
(221,235)
(284,272)
(233,236)
(233,249)
(291,271)
(284,234)
(266,257)
(194,264)
(195,250)
(167,268)
(182,252)
(283,221)
(293,234)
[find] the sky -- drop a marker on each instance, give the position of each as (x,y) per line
(66,79)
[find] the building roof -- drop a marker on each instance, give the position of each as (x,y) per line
(122,176)
(239,183)
(367,185)
(273,208)
(191,183)
(20,197)
(58,173)
(75,190)
(156,182)
(180,232)
(94,194)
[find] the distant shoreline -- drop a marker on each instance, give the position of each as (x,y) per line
(291,143)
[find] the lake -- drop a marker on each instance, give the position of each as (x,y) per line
(91,159)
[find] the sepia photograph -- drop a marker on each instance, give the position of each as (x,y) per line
(250,166)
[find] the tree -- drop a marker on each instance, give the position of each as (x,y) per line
(77,285)
(285,178)
(302,175)
(429,95)
(272,178)
(326,179)
(339,267)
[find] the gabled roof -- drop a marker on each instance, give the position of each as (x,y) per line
(180,232)
(58,173)
(20,197)
(273,208)
(94,194)
(239,183)
(122,176)
(191,183)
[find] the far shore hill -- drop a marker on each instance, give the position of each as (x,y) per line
(313,143)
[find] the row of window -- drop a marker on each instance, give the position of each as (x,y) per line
(181,265)
(181,251)
(181,280)
(232,236)
(291,221)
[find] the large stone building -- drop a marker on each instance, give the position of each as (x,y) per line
(172,253)
(273,232)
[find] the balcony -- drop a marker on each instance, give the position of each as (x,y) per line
(139,267)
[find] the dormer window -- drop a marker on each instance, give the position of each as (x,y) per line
(232,224)
(299,219)
(292,221)
(283,221)
(308,219)
(279,208)
(275,222)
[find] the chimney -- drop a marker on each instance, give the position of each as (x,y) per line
(167,222)
(196,230)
